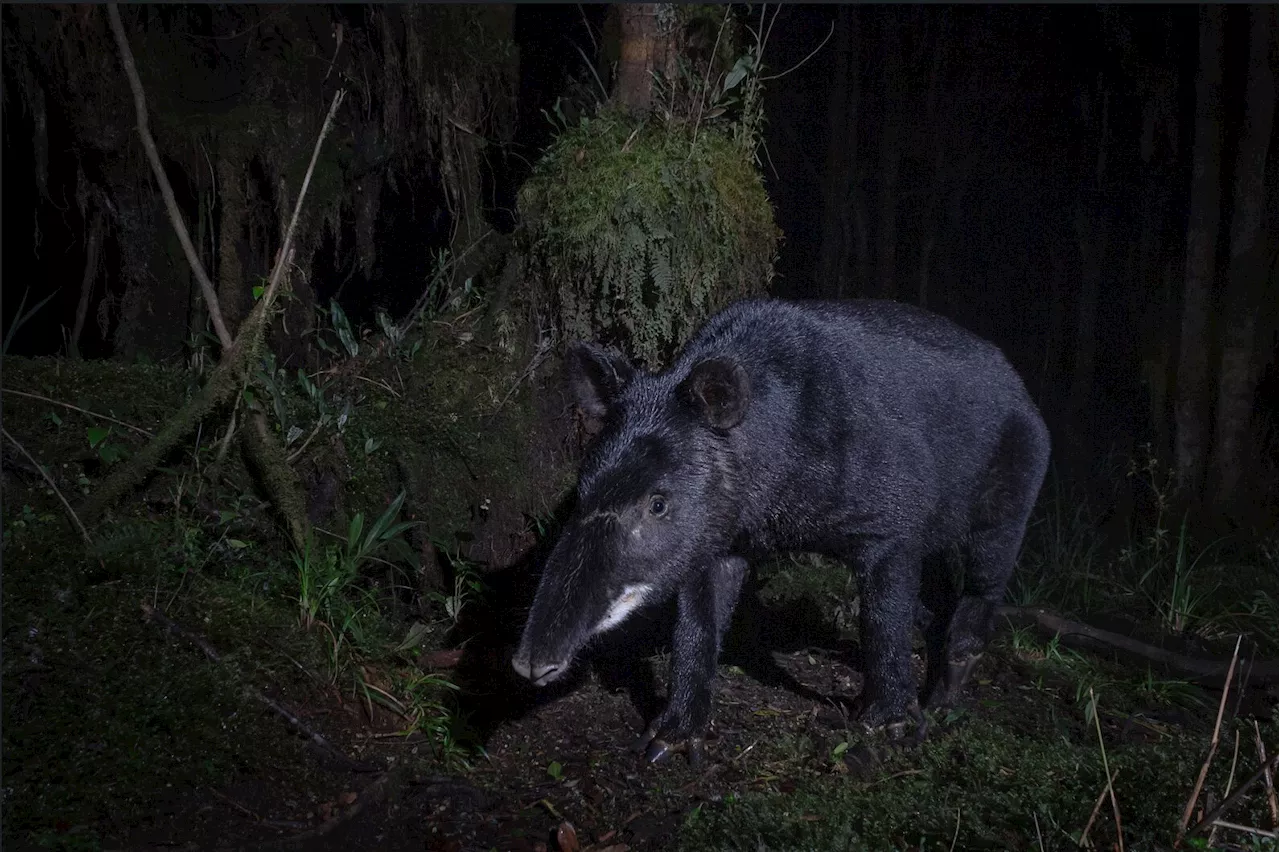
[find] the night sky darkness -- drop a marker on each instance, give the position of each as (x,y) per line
(1005,256)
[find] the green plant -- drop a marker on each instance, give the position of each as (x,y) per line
(637,232)
(326,574)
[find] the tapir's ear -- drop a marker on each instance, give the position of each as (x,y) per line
(719,389)
(596,376)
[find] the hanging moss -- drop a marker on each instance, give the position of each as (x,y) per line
(637,234)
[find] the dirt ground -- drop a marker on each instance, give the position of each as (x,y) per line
(558,773)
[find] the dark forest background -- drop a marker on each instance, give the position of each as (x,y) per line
(1092,188)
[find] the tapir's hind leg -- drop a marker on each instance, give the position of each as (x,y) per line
(1013,482)
(939,595)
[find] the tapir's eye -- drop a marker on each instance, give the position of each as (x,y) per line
(658,505)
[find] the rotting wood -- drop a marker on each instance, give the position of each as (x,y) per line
(1262,672)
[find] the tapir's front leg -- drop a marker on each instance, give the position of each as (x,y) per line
(705,603)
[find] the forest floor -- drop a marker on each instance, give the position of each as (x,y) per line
(160,691)
(121,737)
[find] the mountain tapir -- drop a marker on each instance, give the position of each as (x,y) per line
(870,431)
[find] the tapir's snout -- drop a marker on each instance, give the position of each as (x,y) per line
(540,674)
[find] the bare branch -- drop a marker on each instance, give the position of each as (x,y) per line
(166,190)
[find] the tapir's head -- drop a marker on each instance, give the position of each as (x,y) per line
(656,499)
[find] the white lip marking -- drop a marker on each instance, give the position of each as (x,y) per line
(630,599)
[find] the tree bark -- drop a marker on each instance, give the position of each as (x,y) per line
(890,157)
(634,90)
(92,244)
(1191,406)
(1252,254)
(834,264)
(233,290)
(1092,232)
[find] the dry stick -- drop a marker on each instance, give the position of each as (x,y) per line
(86,411)
(1231,777)
(49,479)
(1213,748)
(209,651)
(1247,829)
(153,156)
(1266,776)
(1097,808)
(1106,770)
(1213,815)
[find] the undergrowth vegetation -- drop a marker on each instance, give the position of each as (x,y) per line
(93,689)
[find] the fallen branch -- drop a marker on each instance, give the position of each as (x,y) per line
(1264,672)
(49,479)
(279,479)
(85,411)
(318,739)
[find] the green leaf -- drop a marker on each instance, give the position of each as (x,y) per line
(97,435)
(555,770)
(258,290)
(237,544)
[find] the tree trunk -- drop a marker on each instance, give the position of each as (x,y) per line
(1091,236)
(1191,406)
(835,261)
(233,290)
(890,158)
(1092,232)
(92,244)
(642,53)
(1252,254)
(933,206)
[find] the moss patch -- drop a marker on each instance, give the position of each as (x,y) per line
(638,232)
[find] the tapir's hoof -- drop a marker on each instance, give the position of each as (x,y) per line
(946,694)
(657,749)
(895,723)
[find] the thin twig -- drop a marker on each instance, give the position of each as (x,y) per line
(1213,749)
(1231,777)
(1266,776)
(1097,808)
(955,835)
(283,257)
(1248,829)
(52,484)
(1227,803)
(812,53)
(166,190)
(1039,837)
(706,79)
(105,417)
(1106,770)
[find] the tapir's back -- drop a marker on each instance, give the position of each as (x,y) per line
(863,405)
